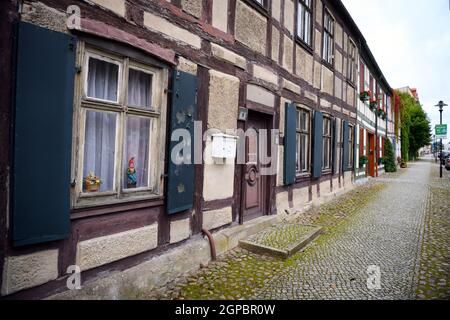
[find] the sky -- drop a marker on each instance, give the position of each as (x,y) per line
(410,40)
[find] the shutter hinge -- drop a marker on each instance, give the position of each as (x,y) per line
(73,183)
(78,69)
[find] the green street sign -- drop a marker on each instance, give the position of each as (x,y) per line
(441,131)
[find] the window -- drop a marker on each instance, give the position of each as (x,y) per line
(351,66)
(302,138)
(367,82)
(328,38)
(326,144)
(305,21)
(351,150)
(119,132)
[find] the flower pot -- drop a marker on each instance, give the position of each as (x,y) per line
(91,187)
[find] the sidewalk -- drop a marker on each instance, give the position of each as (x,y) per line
(378,224)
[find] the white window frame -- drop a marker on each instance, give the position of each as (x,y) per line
(157,116)
(330,148)
(109,59)
(351,62)
(301,172)
(302,19)
(327,51)
(351,146)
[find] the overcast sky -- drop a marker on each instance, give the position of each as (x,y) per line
(410,40)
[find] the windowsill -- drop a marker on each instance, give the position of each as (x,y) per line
(108,200)
(327,171)
(111,208)
(304,45)
(328,65)
(302,177)
(263,10)
(352,84)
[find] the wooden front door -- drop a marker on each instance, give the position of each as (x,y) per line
(371,152)
(255,184)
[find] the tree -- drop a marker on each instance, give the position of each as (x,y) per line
(415,126)
(389,157)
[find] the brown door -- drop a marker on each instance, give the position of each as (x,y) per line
(255,184)
(371,153)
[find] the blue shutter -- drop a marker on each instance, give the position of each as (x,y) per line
(317,150)
(334,151)
(290,144)
(42,135)
(180,190)
(345,153)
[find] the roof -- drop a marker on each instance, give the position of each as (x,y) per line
(364,49)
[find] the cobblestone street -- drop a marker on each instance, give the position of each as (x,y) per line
(397,224)
(386,234)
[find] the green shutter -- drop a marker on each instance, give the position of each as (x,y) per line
(290,144)
(180,190)
(42,135)
(345,153)
(334,151)
(317,150)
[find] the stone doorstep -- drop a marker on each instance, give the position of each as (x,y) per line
(228,239)
(280,253)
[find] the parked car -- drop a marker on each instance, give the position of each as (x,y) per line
(447,162)
(444,157)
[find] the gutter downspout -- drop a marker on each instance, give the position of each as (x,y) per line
(211,243)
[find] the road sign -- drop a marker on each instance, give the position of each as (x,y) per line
(441,131)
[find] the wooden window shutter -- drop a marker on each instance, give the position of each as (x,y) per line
(361,77)
(335,166)
(345,153)
(290,143)
(42,135)
(361,141)
(317,150)
(180,189)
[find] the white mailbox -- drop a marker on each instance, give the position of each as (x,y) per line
(223,146)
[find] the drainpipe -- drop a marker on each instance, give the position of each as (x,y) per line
(211,244)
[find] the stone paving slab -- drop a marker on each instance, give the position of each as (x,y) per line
(282,240)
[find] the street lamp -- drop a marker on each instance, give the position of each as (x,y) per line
(441,106)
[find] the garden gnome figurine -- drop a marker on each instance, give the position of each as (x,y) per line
(131,174)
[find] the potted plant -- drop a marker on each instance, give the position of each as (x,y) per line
(403,164)
(373,105)
(363,161)
(380,112)
(365,95)
(91,183)
(380,161)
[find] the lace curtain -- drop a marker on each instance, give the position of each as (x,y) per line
(137,147)
(102,80)
(99,147)
(139,89)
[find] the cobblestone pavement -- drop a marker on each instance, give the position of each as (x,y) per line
(384,237)
(435,258)
(397,225)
